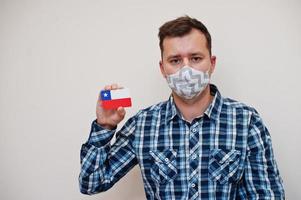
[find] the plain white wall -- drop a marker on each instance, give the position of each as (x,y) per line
(55,56)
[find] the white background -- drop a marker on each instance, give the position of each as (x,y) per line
(55,56)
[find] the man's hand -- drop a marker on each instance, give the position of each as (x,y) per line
(109,118)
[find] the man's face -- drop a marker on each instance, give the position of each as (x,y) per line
(190,49)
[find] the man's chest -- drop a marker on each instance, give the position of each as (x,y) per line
(178,152)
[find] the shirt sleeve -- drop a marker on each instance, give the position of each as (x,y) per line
(103,164)
(261,179)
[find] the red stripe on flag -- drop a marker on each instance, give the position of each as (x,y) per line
(115,103)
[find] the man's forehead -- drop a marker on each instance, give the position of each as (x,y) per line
(193,34)
(194,42)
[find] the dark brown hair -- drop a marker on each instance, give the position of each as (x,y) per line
(180,27)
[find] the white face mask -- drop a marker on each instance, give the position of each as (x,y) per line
(188,82)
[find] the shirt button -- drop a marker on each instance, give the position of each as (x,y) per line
(194,130)
(166,159)
(193,157)
(193,185)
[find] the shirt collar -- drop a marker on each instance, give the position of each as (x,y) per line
(212,112)
(214,109)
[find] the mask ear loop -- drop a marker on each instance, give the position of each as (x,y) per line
(208,73)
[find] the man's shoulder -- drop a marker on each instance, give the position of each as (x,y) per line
(238,105)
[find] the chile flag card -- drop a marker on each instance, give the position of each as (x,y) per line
(112,99)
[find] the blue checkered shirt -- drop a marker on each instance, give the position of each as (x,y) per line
(225,154)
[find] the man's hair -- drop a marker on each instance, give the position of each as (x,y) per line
(180,27)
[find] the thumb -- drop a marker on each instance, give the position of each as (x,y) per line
(121,111)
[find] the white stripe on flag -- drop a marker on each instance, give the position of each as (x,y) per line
(120,93)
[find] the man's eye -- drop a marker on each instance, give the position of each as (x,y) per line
(196,59)
(175,61)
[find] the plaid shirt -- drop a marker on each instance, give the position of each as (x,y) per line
(225,154)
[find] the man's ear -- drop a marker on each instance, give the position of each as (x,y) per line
(162,69)
(213,62)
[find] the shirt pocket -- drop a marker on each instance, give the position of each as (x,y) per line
(163,165)
(224,165)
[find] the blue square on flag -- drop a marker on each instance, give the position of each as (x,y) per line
(105,95)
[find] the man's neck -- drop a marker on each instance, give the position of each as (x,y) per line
(193,108)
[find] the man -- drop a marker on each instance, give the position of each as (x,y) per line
(195,145)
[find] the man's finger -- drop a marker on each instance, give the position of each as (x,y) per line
(121,111)
(107,87)
(99,97)
(114,86)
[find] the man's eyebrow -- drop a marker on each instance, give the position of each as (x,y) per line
(197,53)
(174,56)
